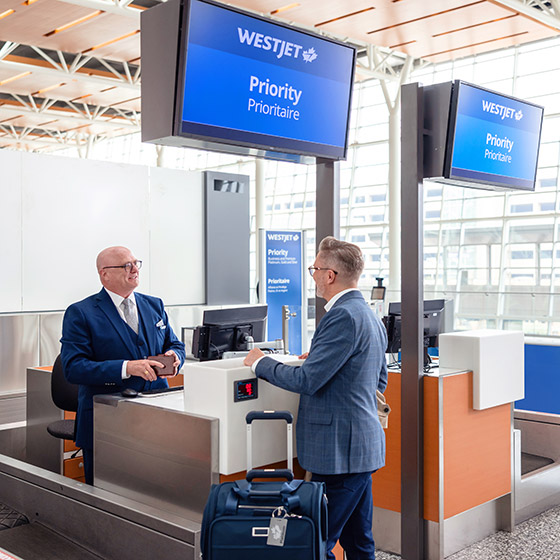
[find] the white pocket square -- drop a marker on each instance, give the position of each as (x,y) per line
(160,324)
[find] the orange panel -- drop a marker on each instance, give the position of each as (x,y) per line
(69,445)
(477,448)
(431,449)
(176,381)
(387,481)
(74,468)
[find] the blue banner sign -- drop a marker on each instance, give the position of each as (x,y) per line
(253,80)
(496,138)
(284,283)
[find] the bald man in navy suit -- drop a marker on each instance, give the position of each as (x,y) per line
(339,437)
(107,337)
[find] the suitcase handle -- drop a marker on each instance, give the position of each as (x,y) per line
(269,415)
(270,473)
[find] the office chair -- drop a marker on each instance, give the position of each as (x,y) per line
(65,397)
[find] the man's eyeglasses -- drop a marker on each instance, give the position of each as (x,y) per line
(312,270)
(127,266)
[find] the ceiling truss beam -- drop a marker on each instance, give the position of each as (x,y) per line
(86,114)
(547,13)
(61,71)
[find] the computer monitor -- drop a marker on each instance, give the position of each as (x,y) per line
(438,318)
(227,330)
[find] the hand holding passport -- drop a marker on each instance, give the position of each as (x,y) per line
(167,362)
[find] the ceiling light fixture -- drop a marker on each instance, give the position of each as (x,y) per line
(74,23)
(111,41)
(284,8)
(49,88)
(6,13)
(82,97)
(13,78)
(28,2)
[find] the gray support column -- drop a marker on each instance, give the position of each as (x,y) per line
(327,210)
(412,287)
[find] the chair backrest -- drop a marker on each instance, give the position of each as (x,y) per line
(64,394)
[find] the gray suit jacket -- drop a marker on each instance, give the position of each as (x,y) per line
(338,430)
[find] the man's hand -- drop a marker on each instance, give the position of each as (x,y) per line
(175,363)
(253,356)
(304,356)
(143,368)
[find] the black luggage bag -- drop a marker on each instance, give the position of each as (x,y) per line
(272,520)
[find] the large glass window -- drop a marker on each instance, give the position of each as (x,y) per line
(496,254)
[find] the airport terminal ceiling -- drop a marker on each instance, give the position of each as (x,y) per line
(70,70)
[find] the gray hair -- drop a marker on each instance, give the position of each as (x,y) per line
(345,258)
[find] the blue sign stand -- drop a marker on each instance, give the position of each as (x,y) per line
(282,283)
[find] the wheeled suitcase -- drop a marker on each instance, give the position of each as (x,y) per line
(265,520)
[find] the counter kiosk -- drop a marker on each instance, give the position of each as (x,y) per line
(180,443)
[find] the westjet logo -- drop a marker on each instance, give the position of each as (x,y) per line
(501,110)
(282,237)
(279,47)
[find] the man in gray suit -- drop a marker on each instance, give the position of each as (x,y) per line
(339,437)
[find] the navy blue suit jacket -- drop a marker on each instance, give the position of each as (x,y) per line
(338,429)
(96,341)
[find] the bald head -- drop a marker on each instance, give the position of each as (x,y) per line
(108,255)
(113,274)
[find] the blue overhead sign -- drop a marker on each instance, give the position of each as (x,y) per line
(257,81)
(495,139)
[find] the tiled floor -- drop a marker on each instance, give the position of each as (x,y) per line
(536,539)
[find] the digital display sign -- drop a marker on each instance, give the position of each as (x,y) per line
(245,389)
(249,81)
(493,138)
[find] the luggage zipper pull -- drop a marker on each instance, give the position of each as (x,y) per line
(277,527)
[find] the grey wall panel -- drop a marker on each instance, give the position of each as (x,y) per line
(227,238)
(10,230)
(19,348)
(176,236)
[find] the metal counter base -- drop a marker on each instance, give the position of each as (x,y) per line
(35,542)
(102,523)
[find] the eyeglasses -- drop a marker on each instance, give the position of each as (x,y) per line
(312,270)
(127,266)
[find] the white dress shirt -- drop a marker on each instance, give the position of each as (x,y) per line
(117,300)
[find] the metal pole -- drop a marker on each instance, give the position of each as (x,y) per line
(327,214)
(394,205)
(412,356)
(259,225)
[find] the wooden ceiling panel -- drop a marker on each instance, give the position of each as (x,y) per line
(101,30)
(29,24)
(434,30)
(416,34)
(124,50)
(495,43)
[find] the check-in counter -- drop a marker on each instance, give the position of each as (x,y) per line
(167,450)
(467,467)
(468,432)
